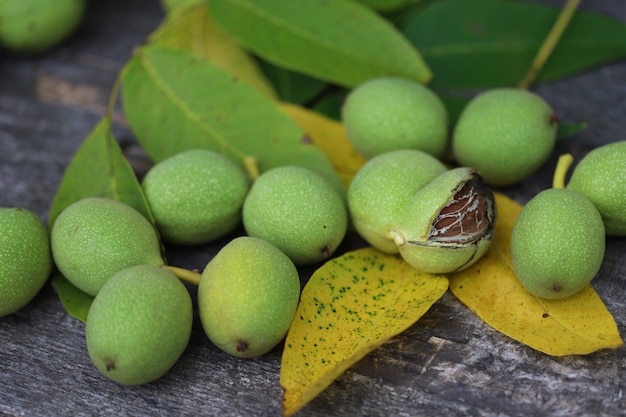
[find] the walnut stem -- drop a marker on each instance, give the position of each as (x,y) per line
(562,166)
(191,277)
(549,43)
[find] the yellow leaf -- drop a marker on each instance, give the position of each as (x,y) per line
(330,136)
(579,324)
(191,29)
(349,307)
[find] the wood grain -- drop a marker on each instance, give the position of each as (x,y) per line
(449,363)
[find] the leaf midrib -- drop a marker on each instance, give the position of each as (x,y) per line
(298,32)
(185,109)
(491,47)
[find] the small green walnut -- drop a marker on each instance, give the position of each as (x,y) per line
(94,238)
(506,134)
(247,297)
(298,211)
(386,114)
(557,244)
(448,224)
(25,259)
(382,187)
(196,196)
(601,177)
(35,26)
(139,324)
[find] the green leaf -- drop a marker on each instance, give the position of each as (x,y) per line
(75,302)
(487,43)
(330,103)
(99,169)
(175,5)
(338,41)
(387,5)
(590,40)
(568,129)
(330,136)
(400,18)
(192,30)
(454,106)
(292,87)
(175,101)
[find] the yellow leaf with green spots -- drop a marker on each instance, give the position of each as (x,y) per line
(349,307)
(576,325)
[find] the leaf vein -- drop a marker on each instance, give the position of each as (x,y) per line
(188,111)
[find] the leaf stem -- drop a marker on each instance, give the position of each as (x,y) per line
(549,43)
(191,277)
(252,167)
(562,166)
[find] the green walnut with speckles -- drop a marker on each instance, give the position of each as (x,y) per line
(381,189)
(25,260)
(506,134)
(558,243)
(139,324)
(196,196)
(601,177)
(247,297)
(298,211)
(448,224)
(35,26)
(386,114)
(94,238)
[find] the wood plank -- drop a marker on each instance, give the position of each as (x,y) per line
(449,363)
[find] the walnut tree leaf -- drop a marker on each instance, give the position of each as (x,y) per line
(192,29)
(75,301)
(337,41)
(350,306)
(330,136)
(489,43)
(576,325)
(97,169)
(175,101)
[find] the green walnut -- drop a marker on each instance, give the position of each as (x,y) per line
(557,244)
(601,177)
(139,324)
(448,224)
(298,211)
(506,134)
(94,238)
(25,259)
(247,297)
(196,196)
(35,26)
(381,189)
(386,114)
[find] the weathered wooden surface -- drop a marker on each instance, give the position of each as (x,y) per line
(449,363)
